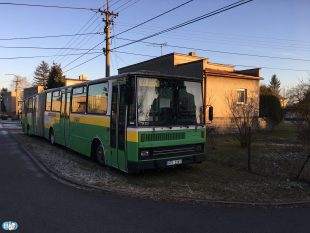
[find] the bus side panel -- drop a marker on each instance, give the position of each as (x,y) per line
(40,115)
(132,145)
(85,128)
(51,119)
(30,123)
(57,127)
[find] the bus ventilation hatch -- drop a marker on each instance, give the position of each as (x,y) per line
(162,136)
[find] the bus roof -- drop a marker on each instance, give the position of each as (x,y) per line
(145,74)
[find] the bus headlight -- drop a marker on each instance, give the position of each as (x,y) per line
(145,153)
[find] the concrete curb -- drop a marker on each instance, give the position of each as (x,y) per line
(88,187)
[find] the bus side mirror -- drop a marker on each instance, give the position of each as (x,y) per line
(210,113)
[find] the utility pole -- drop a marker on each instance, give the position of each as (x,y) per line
(161,47)
(108,19)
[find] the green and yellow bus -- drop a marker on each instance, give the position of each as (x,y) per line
(131,122)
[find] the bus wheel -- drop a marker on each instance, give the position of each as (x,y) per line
(99,155)
(52,137)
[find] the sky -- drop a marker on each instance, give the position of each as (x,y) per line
(278,28)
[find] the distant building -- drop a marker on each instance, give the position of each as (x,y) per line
(72,81)
(30,91)
(219,80)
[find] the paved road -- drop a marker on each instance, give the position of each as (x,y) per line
(41,204)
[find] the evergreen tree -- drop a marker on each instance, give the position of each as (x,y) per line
(275,84)
(41,74)
(270,106)
(55,78)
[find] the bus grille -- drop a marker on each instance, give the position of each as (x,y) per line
(162,136)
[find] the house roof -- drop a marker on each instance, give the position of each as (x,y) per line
(211,72)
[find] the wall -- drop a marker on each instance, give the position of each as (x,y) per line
(163,65)
(221,88)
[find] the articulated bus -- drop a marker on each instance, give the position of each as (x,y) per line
(131,122)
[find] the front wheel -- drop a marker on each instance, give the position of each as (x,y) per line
(99,154)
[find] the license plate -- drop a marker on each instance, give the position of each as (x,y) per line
(174,162)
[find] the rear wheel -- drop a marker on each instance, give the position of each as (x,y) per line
(99,155)
(28,130)
(52,137)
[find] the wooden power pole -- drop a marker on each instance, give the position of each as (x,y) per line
(108,19)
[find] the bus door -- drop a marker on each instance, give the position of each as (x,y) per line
(118,126)
(67,121)
(64,117)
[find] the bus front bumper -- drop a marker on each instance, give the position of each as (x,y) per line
(164,163)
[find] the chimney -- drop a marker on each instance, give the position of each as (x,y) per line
(193,54)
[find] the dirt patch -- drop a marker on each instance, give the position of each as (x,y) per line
(211,180)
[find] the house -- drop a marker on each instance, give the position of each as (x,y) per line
(72,81)
(220,81)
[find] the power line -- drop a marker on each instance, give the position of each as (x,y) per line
(196,19)
(84,62)
(131,28)
(50,36)
(83,54)
(43,48)
(41,56)
(86,39)
(276,68)
(47,6)
(114,3)
(124,4)
(136,54)
(153,18)
(120,10)
(82,29)
(223,52)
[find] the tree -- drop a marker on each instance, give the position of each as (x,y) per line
(270,107)
(41,74)
(303,111)
(55,77)
(275,84)
(245,119)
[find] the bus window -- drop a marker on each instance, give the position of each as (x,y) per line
(48,105)
(56,101)
(30,101)
(97,98)
(79,100)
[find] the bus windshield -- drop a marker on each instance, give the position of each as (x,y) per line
(164,102)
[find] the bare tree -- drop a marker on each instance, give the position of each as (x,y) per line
(244,117)
(302,108)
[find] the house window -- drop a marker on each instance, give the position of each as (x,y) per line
(98,98)
(241,96)
(79,100)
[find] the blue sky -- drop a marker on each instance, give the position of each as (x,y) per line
(273,28)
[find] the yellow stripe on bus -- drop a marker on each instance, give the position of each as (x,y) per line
(132,136)
(103,121)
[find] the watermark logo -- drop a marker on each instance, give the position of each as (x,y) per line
(9,226)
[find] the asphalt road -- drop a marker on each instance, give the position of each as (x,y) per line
(40,204)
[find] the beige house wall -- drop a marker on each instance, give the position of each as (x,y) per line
(220,89)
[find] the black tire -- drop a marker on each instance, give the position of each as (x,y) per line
(99,155)
(28,130)
(52,137)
